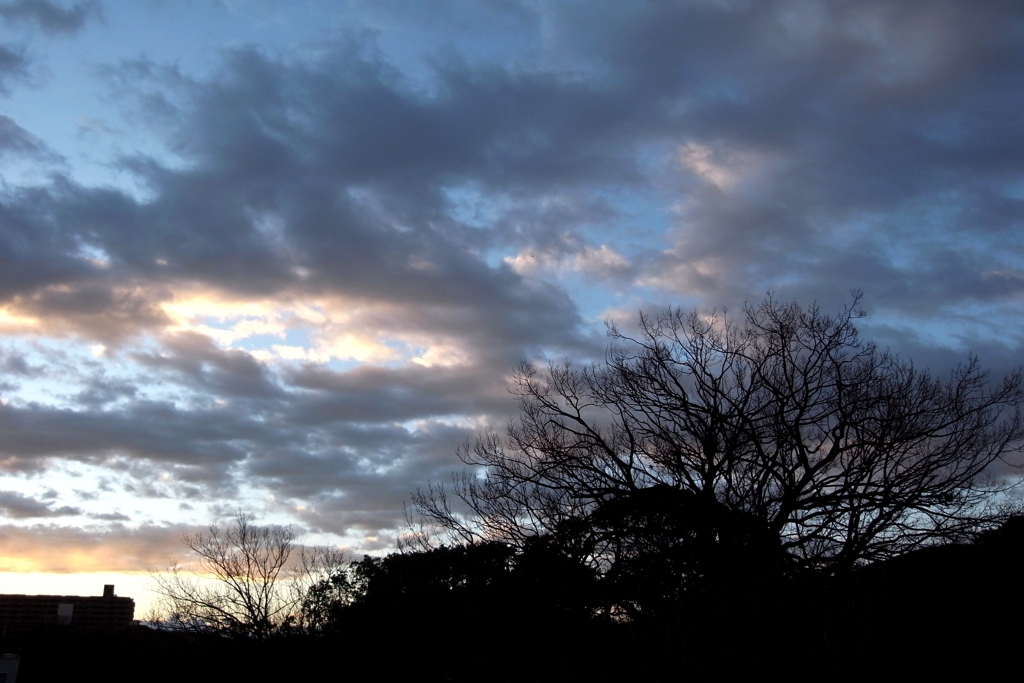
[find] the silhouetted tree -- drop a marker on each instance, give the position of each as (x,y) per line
(781,436)
(324,598)
(492,581)
(443,575)
(244,585)
(662,545)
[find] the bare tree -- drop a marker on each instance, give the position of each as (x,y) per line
(843,453)
(247,583)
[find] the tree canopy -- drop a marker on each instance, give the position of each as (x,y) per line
(780,434)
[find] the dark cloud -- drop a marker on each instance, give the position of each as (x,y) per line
(878,129)
(20,506)
(111,517)
(367,434)
(334,174)
(103,311)
(15,140)
(322,178)
(51,17)
(698,152)
(195,359)
(38,251)
(102,391)
(14,363)
(13,65)
(382,395)
(159,432)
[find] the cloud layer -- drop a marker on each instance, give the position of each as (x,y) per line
(310,282)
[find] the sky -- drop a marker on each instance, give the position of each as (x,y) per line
(284,256)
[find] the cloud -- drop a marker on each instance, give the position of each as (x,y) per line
(111,517)
(158,432)
(55,548)
(197,360)
(316,279)
(20,506)
(51,17)
(15,140)
(830,145)
(258,211)
(102,311)
(13,65)
(601,262)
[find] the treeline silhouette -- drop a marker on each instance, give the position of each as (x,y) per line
(486,611)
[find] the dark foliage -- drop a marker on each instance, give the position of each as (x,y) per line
(486,613)
(710,458)
(473,583)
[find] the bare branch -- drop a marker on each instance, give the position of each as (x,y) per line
(846,454)
(244,585)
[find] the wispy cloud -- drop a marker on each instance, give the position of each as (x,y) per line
(51,17)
